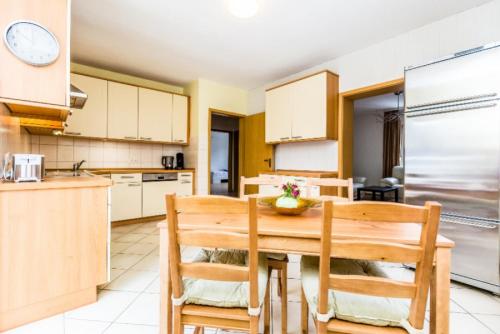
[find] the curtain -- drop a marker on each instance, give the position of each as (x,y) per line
(392,141)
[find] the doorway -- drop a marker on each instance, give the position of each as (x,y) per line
(224,153)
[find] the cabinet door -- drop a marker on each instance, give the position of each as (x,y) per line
(309,103)
(180,119)
(185,184)
(278,115)
(153,193)
(155,115)
(126,200)
(91,121)
(122,111)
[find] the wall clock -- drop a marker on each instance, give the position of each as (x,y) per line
(31,42)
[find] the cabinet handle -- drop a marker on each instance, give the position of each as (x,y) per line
(146,138)
(179,140)
(184,182)
(296,137)
(126,177)
(73,133)
(130,137)
(134,184)
(284,138)
(185,174)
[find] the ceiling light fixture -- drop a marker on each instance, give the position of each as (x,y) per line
(243,8)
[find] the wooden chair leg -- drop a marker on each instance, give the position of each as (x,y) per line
(267,309)
(284,297)
(304,313)
(254,325)
(199,330)
(280,275)
(177,325)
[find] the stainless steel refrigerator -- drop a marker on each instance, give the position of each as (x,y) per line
(452,155)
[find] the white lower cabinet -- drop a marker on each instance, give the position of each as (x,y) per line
(153,196)
(126,194)
(185,184)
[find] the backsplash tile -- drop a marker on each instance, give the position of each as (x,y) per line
(62,152)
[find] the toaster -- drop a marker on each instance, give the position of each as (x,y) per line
(28,167)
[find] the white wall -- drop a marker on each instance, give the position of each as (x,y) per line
(368,145)
(386,61)
(219,151)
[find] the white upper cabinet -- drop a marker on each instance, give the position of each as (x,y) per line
(91,121)
(122,111)
(180,119)
(303,110)
(155,115)
(278,114)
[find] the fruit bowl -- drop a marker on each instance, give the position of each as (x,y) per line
(302,205)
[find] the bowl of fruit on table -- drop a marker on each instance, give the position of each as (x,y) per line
(289,203)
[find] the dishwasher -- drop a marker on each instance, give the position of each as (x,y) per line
(154,188)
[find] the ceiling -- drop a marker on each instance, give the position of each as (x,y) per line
(180,41)
(379,103)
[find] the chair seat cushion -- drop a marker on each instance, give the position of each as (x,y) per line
(222,293)
(371,310)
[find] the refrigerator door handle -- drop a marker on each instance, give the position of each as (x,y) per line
(449,101)
(470,222)
(444,110)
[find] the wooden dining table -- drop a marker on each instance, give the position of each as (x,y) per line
(301,235)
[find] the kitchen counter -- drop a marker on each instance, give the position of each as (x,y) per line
(101,171)
(57,182)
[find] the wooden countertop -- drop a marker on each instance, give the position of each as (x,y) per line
(57,182)
(101,171)
(304,173)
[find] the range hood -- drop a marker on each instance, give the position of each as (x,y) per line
(77,98)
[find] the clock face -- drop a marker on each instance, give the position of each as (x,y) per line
(31,43)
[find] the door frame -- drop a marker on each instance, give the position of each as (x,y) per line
(241,126)
(346,115)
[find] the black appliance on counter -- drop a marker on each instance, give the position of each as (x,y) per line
(167,161)
(180,160)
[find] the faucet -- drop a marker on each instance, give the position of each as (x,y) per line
(76,167)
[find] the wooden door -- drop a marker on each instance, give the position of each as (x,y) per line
(278,115)
(180,119)
(91,121)
(308,98)
(155,115)
(122,111)
(258,156)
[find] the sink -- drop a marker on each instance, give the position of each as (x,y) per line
(66,173)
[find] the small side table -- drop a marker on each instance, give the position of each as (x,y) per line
(379,190)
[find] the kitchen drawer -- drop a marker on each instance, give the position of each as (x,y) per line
(269,190)
(185,177)
(126,178)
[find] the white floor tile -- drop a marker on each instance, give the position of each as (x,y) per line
(151,239)
(150,263)
(143,311)
(125,261)
(294,318)
(116,235)
(126,228)
(462,323)
(139,249)
(109,306)
(118,247)
(132,237)
(146,229)
(52,325)
(188,253)
(294,290)
(154,287)
(75,326)
(131,329)
(476,301)
(491,321)
(133,280)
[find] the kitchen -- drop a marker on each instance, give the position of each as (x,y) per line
(118,128)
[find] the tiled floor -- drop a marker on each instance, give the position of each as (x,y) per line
(129,304)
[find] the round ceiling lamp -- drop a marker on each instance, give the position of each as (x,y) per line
(243,8)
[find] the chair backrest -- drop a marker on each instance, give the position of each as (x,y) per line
(258,181)
(212,205)
(377,213)
(331,182)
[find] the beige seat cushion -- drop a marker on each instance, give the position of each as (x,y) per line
(371,310)
(221,293)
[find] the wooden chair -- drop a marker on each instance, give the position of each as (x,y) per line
(278,263)
(421,254)
(331,182)
(200,316)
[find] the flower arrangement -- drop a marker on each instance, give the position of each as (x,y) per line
(290,197)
